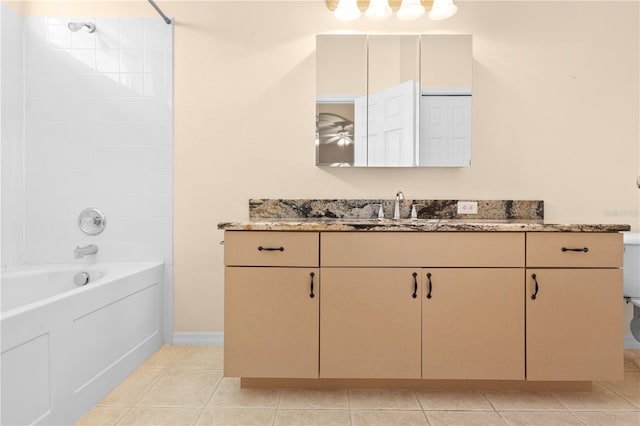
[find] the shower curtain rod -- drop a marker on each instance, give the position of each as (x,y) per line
(155,6)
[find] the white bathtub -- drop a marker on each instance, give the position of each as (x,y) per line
(65,347)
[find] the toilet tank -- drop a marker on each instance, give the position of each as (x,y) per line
(632,264)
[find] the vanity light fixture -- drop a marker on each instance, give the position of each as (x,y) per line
(410,10)
(378,10)
(347,10)
(442,9)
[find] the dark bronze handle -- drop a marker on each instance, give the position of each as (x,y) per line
(430,285)
(312,275)
(260,248)
(584,250)
(415,285)
(535,293)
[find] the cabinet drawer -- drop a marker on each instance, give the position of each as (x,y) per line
(574,250)
(445,249)
(260,248)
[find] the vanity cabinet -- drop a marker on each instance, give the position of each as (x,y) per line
(510,306)
(271,310)
(472,323)
(370,323)
(466,320)
(574,289)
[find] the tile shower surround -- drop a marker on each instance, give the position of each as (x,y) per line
(98,133)
(12,136)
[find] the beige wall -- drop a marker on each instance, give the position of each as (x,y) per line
(555,85)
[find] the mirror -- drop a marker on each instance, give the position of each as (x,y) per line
(341,63)
(393,100)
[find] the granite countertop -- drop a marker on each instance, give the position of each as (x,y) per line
(417,225)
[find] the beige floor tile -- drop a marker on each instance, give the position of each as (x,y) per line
(165,356)
(131,390)
(540,418)
(230,394)
(610,418)
(312,417)
(393,399)
(236,416)
(600,399)
(314,398)
(160,416)
(102,416)
(469,418)
(453,400)
(523,401)
(187,388)
(388,417)
(629,389)
(630,366)
(632,360)
(201,358)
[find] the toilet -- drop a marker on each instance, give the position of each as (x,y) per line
(632,278)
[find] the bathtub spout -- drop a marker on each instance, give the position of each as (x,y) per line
(81,252)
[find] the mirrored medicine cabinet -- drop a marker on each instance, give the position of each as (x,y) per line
(393,100)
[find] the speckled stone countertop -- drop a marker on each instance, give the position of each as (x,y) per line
(417,225)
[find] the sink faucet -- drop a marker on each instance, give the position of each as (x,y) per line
(81,252)
(396,208)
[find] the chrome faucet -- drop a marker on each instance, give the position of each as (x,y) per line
(396,208)
(81,252)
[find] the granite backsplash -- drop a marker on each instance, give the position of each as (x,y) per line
(260,209)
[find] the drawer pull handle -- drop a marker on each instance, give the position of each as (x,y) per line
(312,275)
(535,293)
(260,248)
(415,285)
(430,285)
(584,250)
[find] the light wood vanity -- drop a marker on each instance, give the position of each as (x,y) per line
(426,308)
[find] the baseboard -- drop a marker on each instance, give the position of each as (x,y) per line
(216,338)
(631,343)
(201,338)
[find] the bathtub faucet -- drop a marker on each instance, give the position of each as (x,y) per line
(81,252)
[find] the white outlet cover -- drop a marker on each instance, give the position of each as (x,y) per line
(467,207)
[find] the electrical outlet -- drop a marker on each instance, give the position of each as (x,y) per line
(467,207)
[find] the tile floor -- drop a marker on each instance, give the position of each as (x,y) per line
(183,385)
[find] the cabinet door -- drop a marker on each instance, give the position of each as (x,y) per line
(473,324)
(370,323)
(271,322)
(573,324)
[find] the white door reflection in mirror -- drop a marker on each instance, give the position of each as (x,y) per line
(391,132)
(445,138)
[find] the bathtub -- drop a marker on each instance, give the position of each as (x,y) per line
(65,347)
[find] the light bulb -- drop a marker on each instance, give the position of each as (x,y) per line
(410,9)
(347,10)
(378,10)
(442,9)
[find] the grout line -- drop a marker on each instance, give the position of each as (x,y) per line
(502,418)
(123,415)
(578,418)
(486,398)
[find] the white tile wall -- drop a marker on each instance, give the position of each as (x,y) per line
(98,121)
(12,138)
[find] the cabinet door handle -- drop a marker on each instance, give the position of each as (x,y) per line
(260,248)
(535,293)
(430,286)
(311,295)
(415,285)
(584,249)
